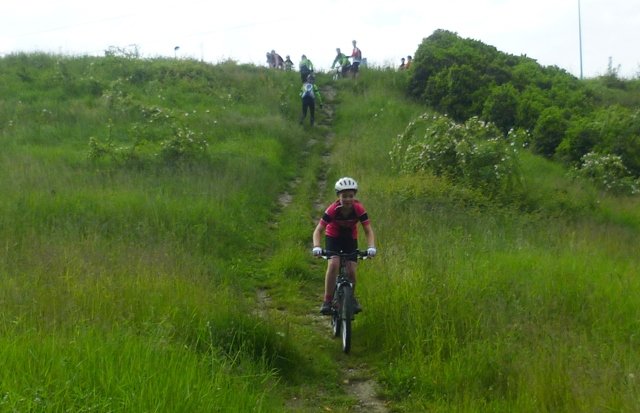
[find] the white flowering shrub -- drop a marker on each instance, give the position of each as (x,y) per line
(183,145)
(608,172)
(158,135)
(474,153)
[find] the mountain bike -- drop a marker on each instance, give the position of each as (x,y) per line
(343,71)
(342,305)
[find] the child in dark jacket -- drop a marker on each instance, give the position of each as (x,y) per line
(309,94)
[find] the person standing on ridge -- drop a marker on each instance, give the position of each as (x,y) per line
(356,58)
(340,225)
(309,94)
(408,65)
(279,61)
(288,64)
(306,68)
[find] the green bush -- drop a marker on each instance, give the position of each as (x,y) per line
(607,172)
(581,136)
(611,130)
(532,101)
(184,145)
(621,129)
(501,107)
(549,131)
(457,91)
(474,153)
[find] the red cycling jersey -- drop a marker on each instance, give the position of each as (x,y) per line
(339,225)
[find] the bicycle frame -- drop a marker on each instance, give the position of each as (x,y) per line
(343,72)
(342,304)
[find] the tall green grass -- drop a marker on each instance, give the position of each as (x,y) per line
(474,306)
(136,282)
(124,279)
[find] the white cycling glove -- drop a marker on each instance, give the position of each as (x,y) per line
(371,251)
(316,251)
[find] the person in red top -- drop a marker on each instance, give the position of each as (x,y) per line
(408,64)
(356,58)
(340,225)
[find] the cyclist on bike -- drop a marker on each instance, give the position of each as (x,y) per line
(340,224)
(342,61)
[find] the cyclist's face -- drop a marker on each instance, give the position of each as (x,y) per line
(347,197)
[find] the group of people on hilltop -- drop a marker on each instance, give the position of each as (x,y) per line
(275,61)
(405,64)
(309,92)
(346,66)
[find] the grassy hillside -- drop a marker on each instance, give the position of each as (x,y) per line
(156,220)
(127,246)
(479,307)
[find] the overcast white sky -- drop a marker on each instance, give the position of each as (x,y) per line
(244,30)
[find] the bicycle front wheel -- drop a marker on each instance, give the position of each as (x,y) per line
(335,323)
(335,312)
(346,315)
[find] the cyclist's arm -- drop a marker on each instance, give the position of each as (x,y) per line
(368,232)
(317,235)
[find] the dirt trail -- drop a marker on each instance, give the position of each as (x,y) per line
(356,381)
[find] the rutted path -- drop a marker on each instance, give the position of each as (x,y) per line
(355,380)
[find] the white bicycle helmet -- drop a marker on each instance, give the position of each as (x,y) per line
(346,183)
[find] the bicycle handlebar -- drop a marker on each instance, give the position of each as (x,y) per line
(326,254)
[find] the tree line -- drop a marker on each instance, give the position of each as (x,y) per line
(567,118)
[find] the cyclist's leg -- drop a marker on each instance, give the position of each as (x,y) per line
(354,68)
(305,106)
(312,111)
(333,266)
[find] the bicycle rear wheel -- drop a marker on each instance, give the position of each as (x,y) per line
(346,315)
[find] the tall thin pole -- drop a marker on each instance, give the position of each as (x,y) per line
(580,36)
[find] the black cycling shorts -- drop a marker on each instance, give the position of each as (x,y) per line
(342,244)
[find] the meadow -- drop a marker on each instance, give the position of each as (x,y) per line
(148,265)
